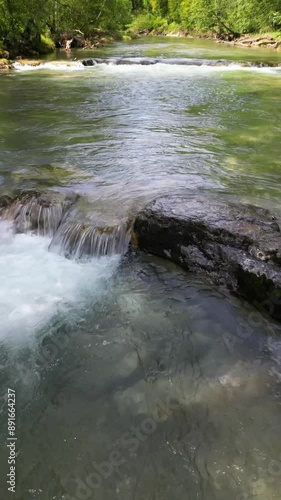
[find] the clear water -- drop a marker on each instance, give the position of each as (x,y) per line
(134,380)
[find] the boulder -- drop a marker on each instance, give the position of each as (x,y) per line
(78,42)
(233,245)
(70,40)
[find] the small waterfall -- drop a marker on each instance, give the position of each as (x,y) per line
(38,213)
(77,240)
(35,217)
(152,61)
(77,230)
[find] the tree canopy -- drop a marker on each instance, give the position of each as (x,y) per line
(34,23)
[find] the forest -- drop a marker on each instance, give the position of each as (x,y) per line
(32,26)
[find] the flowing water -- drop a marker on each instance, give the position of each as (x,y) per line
(135,380)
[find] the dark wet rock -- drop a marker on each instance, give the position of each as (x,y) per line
(88,62)
(72,40)
(78,42)
(234,245)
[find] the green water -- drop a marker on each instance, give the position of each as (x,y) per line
(133,379)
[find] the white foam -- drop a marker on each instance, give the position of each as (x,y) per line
(6,232)
(163,69)
(53,66)
(158,69)
(35,283)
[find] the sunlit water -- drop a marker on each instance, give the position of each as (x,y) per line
(130,361)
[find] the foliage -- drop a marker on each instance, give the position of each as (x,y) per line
(149,22)
(219,16)
(46,45)
(276,20)
(26,25)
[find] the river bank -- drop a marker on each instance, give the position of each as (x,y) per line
(262,40)
(64,41)
(101,39)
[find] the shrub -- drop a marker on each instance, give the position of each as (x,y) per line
(46,45)
(276,20)
(149,22)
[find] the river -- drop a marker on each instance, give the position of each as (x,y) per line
(135,380)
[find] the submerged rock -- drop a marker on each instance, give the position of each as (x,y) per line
(235,245)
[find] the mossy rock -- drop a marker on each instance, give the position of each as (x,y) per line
(4,64)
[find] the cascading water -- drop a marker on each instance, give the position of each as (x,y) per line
(77,240)
(151,61)
(141,61)
(37,213)
(49,215)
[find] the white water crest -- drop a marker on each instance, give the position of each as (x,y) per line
(36,283)
(163,69)
(160,67)
(53,66)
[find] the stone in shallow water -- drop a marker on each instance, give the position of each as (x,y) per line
(235,245)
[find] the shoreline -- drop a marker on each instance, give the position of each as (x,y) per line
(262,40)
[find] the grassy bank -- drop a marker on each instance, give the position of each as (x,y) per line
(149,24)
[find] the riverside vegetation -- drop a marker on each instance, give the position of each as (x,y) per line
(35,27)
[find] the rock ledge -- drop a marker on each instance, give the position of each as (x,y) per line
(234,245)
